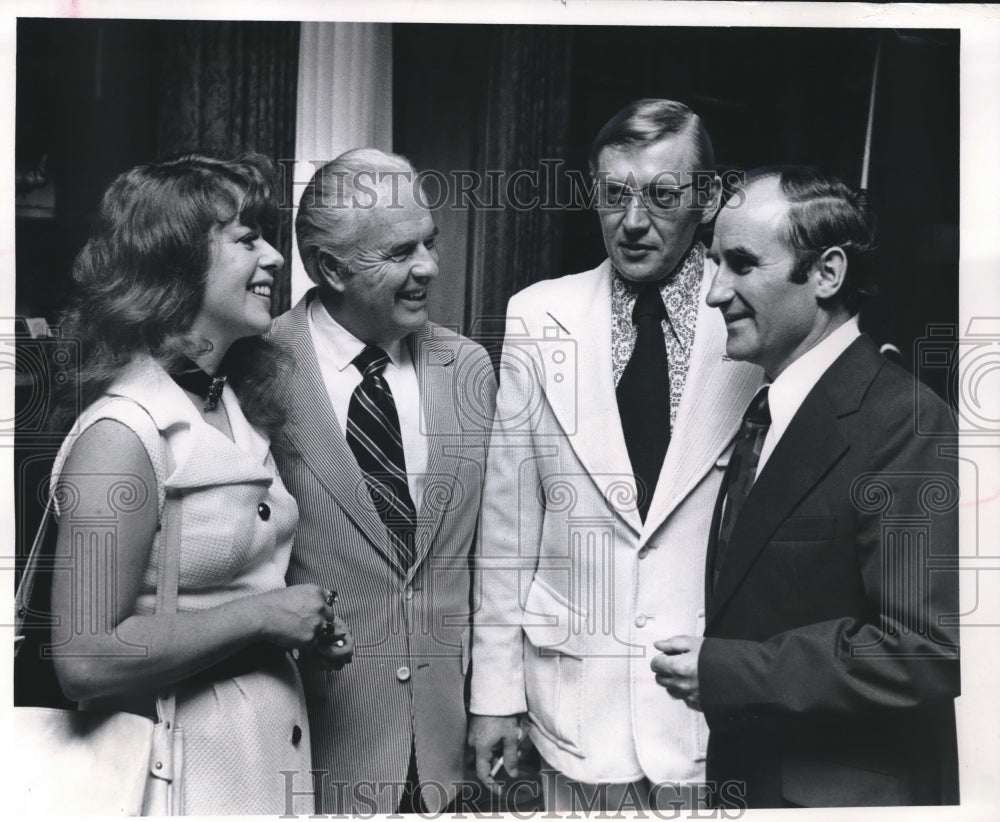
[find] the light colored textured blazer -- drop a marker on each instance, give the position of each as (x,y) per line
(411,628)
(572,588)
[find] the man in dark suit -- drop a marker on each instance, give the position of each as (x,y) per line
(829,664)
(384,452)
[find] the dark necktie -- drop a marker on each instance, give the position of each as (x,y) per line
(374,437)
(741,472)
(644,395)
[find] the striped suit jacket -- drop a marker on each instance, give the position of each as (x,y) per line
(411,627)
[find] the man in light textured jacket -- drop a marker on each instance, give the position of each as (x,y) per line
(388,731)
(611,437)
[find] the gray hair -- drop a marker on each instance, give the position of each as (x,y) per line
(332,196)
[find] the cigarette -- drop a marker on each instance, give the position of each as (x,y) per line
(496,767)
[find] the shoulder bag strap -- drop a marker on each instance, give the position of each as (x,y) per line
(22,598)
(169,573)
(164,791)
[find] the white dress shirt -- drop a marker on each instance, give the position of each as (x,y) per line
(790,389)
(336,348)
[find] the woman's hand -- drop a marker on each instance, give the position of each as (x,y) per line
(297,617)
(103,588)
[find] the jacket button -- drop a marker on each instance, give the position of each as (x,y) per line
(408,593)
(640,621)
(643,552)
(265,511)
(402,673)
(296,735)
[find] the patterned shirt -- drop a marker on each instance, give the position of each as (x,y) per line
(680,295)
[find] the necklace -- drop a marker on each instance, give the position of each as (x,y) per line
(208,388)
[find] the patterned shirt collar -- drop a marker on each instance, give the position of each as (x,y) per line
(681,296)
(679,292)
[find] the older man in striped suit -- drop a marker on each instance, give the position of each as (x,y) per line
(384,453)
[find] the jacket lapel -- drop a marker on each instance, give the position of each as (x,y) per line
(810,445)
(584,401)
(716,393)
(314,431)
(434,361)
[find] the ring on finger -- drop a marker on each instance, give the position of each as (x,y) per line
(325,631)
(331,597)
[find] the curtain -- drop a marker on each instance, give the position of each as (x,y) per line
(526,123)
(227,88)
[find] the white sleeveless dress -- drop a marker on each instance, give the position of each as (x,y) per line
(246,736)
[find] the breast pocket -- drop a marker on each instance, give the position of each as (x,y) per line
(811,573)
(553,665)
(806,529)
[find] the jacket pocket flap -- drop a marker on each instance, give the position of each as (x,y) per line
(815,782)
(551,621)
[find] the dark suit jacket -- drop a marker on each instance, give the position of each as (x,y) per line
(411,627)
(830,662)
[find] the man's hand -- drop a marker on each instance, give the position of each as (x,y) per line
(676,668)
(335,647)
(489,735)
(332,647)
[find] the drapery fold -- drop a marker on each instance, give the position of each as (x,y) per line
(225,88)
(526,122)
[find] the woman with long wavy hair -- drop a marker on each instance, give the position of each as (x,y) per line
(180,392)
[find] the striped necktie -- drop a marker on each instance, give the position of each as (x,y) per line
(374,437)
(741,473)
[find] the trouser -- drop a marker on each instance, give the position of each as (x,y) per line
(409,800)
(566,796)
